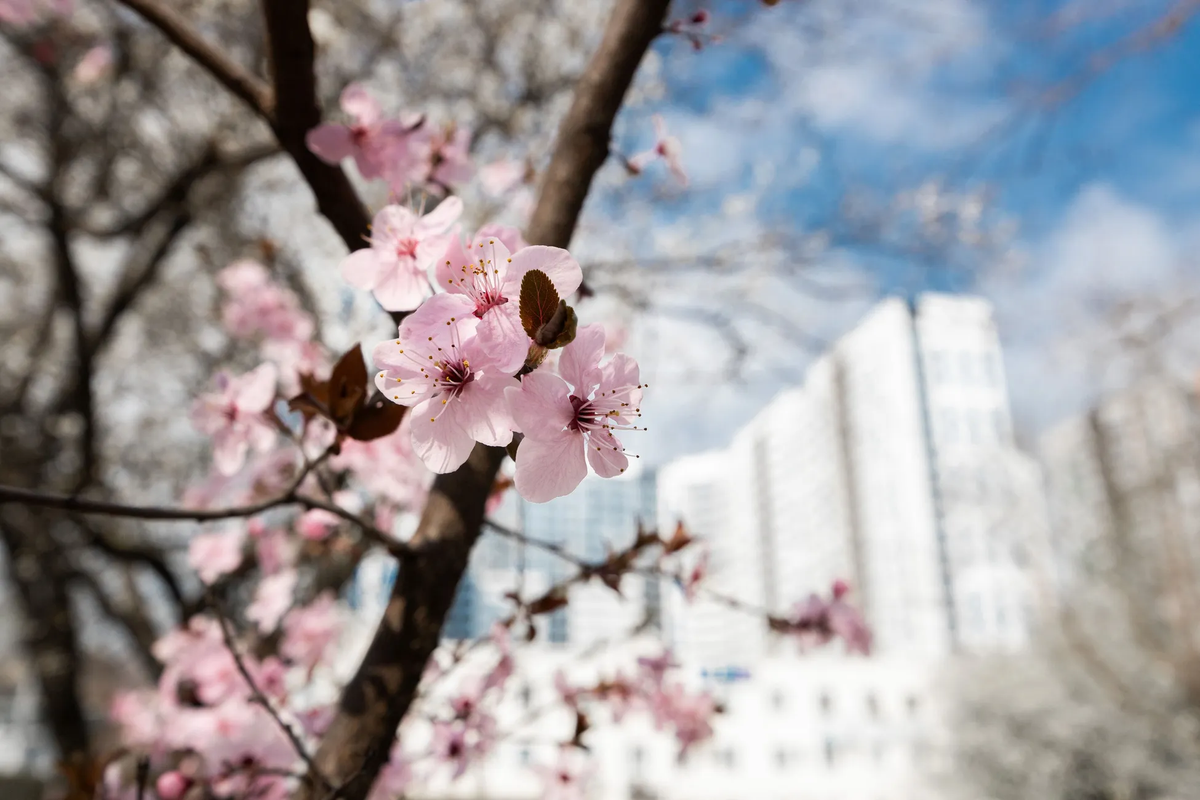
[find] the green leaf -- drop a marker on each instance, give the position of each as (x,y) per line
(539,301)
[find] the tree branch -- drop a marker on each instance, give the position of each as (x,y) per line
(291,497)
(247,87)
(260,698)
(584,134)
(374,702)
(296,113)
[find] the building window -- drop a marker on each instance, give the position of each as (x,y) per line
(558,627)
(830,753)
(826,704)
(873,706)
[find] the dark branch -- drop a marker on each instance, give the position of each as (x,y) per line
(260,698)
(296,113)
(232,75)
(583,137)
(379,695)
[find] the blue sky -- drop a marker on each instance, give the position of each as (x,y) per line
(1100,189)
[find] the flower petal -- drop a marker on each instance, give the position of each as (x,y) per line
(441,218)
(361,268)
(502,337)
(330,143)
(442,443)
(401,287)
(563,270)
(579,363)
(453,270)
(229,450)
(550,467)
(256,389)
(605,454)
(481,410)
(541,407)
(358,103)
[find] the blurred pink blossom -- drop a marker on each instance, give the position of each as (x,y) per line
(215,554)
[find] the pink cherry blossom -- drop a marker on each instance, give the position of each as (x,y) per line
(316,720)
(450,746)
(257,306)
(489,275)
(566,780)
(438,367)
(388,467)
(403,247)
(394,778)
(689,714)
(316,524)
(272,599)
(171,785)
(666,147)
(273,547)
(816,621)
(501,177)
(450,158)
(215,554)
(236,416)
(21,13)
(138,717)
(308,631)
(375,143)
(94,65)
(564,418)
(654,668)
(503,670)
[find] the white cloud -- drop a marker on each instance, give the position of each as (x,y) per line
(1109,268)
(871,72)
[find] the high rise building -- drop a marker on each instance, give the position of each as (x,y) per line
(893,466)
(1124,484)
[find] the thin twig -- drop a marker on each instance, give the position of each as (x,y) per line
(260,698)
(12,494)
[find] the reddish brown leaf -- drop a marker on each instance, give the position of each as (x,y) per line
(376,419)
(679,540)
(539,301)
(347,386)
(551,601)
(313,400)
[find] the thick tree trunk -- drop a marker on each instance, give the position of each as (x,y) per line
(375,701)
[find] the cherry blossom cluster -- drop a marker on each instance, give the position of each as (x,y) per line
(687,714)
(404,152)
(211,726)
(470,360)
(818,621)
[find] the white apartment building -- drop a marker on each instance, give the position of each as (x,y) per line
(892,466)
(1124,483)
(796,728)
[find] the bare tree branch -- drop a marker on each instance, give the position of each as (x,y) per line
(247,87)
(584,134)
(264,701)
(296,113)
